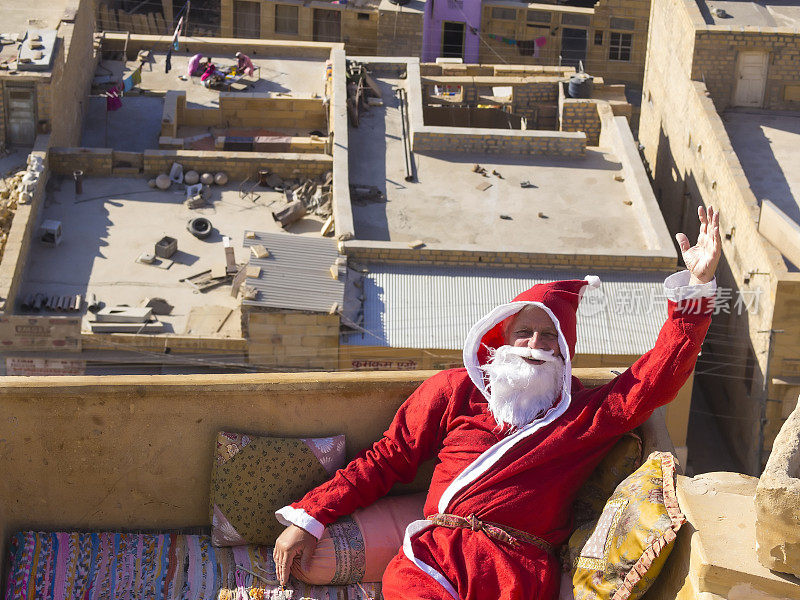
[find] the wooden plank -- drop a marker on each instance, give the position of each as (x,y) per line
(125,23)
(151,24)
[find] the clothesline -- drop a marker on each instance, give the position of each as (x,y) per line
(526,47)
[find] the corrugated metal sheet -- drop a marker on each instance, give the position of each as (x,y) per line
(296,274)
(434,307)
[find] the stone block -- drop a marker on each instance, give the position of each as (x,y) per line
(778,502)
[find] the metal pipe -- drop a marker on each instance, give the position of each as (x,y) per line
(401,96)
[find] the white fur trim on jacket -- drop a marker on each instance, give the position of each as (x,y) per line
(288,515)
(677,288)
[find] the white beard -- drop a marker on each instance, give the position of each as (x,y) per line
(518,390)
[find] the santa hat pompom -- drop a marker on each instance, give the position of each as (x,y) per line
(593,281)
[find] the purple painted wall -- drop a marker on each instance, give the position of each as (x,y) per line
(459,11)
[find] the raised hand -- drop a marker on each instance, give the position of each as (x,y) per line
(702,258)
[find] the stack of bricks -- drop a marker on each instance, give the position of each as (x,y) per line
(292,339)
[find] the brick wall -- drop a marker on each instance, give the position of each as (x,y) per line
(581,115)
(399,32)
(292,339)
(249,110)
(716,55)
(392,252)
(92,161)
(64,101)
(452,139)
(238,165)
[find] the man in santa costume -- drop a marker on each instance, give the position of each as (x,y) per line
(515,436)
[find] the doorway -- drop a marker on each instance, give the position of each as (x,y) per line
(751,79)
(20,115)
(246,19)
(573,47)
(452,39)
(327,25)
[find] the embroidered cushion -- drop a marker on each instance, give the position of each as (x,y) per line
(359,547)
(620,555)
(254,476)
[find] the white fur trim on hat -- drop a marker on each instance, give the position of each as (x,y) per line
(593,281)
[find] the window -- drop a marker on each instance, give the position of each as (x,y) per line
(538,16)
(509,14)
(576,19)
(285,19)
(363,16)
(625,24)
(598,38)
(619,47)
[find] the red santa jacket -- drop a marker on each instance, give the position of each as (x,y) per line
(526,479)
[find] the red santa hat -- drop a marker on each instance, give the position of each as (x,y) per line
(559,299)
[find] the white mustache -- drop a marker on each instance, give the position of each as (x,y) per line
(533,353)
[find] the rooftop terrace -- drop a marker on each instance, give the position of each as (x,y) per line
(766,144)
(769,13)
(569,203)
(116,219)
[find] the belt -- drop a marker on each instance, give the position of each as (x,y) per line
(501,533)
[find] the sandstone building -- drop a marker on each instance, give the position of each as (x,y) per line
(719,127)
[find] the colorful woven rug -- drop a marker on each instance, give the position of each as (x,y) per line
(95,566)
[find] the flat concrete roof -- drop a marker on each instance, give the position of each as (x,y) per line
(767,146)
(769,13)
(583,205)
(17,16)
(115,219)
(300,77)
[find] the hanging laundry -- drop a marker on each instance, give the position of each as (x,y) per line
(176,34)
(168,64)
(541,41)
(137,76)
(113,100)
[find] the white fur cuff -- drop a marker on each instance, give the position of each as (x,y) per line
(677,288)
(289,515)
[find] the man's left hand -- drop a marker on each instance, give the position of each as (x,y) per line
(702,258)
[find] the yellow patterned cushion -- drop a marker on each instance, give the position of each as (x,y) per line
(253,476)
(619,556)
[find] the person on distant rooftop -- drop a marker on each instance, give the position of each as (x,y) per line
(244,64)
(515,436)
(194,65)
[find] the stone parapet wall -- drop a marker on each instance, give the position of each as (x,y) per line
(218,46)
(20,237)
(292,339)
(397,252)
(492,141)
(238,165)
